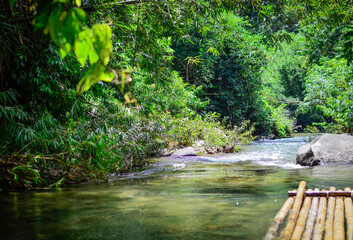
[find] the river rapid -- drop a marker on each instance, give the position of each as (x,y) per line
(232,196)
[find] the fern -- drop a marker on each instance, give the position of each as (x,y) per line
(9,111)
(11,116)
(8,97)
(25,135)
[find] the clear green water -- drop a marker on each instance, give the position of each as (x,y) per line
(220,197)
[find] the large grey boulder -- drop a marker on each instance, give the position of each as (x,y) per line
(189,151)
(326,149)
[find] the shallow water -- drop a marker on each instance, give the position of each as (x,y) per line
(233,196)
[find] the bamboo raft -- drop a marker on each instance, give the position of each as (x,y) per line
(314,214)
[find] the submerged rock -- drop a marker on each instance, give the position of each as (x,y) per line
(326,149)
(189,151)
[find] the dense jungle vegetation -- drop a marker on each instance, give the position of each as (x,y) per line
(91,87)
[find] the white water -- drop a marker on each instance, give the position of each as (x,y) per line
(278,153)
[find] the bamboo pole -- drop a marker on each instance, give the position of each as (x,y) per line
(348,206)
(320,220)
(299,228)
(311,218)
(287,232)
(338,222)
(282,213)
(323,193)
(330,216)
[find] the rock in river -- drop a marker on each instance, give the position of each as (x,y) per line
(326,149)
(189,151)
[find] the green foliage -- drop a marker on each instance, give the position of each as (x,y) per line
(230,68)
(282,123)
(292,79)
(329,13)
(188,130)
(68,31)
(311,129)
(27,175)
(347,37)
(325,23)
(283,76)
(328,95)
(11,116)
(53,133)
(96,73)
(185,72)
(166,95)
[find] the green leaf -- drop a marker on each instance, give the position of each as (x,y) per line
(81,51)
(71,27)
(107,76)
(95,73)
(65,49)
(78,3)
(104,55)
(93,56)
(213,50)
(102,41)
(54,25)
(83,46)
(81,15)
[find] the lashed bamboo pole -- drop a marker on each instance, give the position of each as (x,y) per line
(348,206)
(323,193)
(330,216)
(320,220)
(339,204)
(311,218)
(287,232)
(338,222)
(271,233)
(299,228)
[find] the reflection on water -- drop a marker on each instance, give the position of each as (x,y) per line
(219,197)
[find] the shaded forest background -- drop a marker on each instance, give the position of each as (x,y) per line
(94,87)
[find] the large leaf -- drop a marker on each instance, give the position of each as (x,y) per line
(53,22)
(96,72)
(83,46)
(81,50)
(102,41)
(81,15)
(71,26)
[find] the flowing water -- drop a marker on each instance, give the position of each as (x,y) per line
(233,196)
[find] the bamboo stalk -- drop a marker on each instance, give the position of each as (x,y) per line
(299,228)
(320,220)
(282,213)
(311,218)
(330,216)
(348,206)
(287,232)
(323,193)
(338,222)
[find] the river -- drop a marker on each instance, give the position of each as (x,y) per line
(233,196)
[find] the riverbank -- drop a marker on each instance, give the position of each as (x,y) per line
(74,155)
